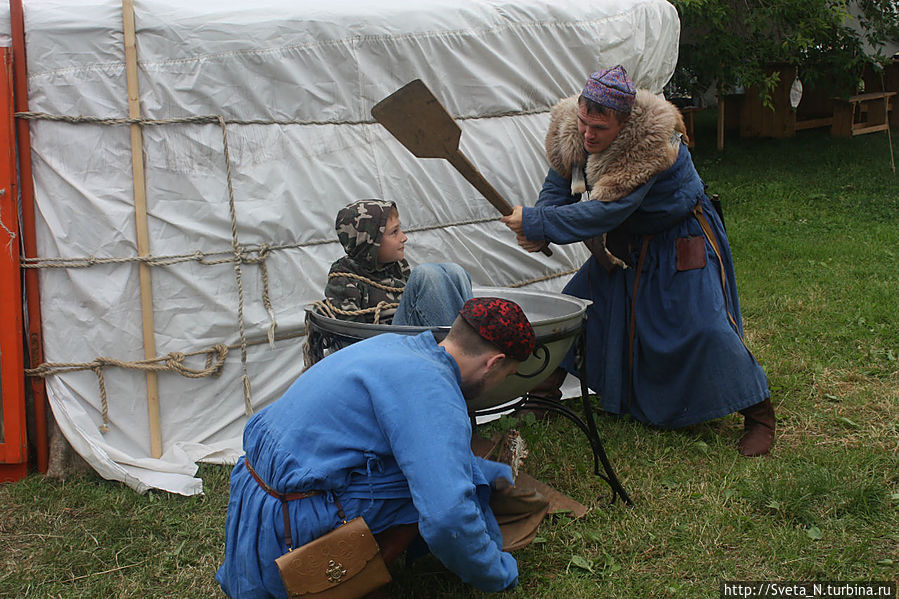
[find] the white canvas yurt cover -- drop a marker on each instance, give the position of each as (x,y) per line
(241,200)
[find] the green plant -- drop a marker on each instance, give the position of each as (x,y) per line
(734,43)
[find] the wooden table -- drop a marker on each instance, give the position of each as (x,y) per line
(877,105)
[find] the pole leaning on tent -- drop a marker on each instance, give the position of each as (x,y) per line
(140,213)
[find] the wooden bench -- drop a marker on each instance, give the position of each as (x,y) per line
(847,114)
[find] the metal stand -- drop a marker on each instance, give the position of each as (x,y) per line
(588,427)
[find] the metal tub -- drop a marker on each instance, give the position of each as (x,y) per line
(557,320)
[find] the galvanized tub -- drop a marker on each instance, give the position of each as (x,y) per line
(557,319)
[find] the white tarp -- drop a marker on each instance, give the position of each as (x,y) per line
(309,73)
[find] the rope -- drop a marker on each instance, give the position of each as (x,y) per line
(400,289)
(326,308)
(205,119)
(331,311)
(197,119)
(104,402)
(235,244)
(544,278)
(266,301)
(174,361)
(307,347)
(459,223)
(197,256)
(204,258)
(12,235)
(350,275)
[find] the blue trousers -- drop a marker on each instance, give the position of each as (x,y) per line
(434,295)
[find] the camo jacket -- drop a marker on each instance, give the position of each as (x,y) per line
(360,227)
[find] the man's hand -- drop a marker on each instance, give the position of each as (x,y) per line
(513,221)
(530,246)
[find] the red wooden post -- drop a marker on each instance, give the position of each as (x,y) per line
(13,427)
(35,337)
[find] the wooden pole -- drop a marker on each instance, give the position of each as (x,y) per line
(29,237)
(13,421)
(140,213)
(720,119)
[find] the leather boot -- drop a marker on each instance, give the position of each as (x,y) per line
(758,429)
(392,542)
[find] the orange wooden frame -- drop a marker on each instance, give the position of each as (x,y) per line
(23,137)
(14,439)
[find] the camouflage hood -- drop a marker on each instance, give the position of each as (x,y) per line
(360,227)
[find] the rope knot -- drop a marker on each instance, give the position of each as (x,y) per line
(175,361)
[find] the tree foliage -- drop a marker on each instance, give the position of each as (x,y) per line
(735,42)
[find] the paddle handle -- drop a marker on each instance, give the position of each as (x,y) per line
(474,176)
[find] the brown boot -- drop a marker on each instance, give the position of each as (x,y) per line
(393,543)
(758,429)
(394,540)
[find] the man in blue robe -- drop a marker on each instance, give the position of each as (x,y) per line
(664,333)
(383,427)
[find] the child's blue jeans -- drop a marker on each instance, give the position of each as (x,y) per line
(434,295)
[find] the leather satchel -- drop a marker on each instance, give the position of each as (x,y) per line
(345,563)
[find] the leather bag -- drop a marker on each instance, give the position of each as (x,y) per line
(345,563)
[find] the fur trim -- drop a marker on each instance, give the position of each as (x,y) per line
(564,144)
(647,145)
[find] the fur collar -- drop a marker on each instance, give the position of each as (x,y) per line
(647,145)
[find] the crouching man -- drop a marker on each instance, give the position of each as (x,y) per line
(380,428)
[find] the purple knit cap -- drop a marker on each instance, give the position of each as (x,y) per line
(611,88)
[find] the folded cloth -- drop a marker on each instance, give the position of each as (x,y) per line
(519,511)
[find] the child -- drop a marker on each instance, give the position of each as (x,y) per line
(373,282)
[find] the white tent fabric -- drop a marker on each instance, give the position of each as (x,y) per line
(308,74)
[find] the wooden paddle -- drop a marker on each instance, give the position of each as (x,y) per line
(420,122)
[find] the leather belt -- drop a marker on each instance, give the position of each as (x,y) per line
(284,498)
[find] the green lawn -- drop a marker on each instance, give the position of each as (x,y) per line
(814,227)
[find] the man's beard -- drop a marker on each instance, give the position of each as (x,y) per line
(473,389)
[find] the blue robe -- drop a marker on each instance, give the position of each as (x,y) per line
(382,425)
(689,361)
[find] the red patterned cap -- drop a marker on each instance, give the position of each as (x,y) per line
(502,323)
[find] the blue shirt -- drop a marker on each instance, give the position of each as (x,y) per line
(381,424)
(671,355)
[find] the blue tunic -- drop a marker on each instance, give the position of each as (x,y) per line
(383,425)
(689,361)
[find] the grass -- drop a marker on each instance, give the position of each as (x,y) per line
(813,227)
